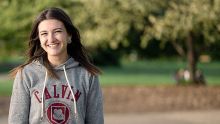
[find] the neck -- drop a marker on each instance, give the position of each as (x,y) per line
(57,60)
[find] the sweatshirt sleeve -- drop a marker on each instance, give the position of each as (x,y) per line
(94,108)
(20,101)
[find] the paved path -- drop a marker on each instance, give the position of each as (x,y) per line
(3,120)
(193,117)
(188,117)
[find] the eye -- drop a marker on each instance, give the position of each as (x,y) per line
(43,34)
(58,31)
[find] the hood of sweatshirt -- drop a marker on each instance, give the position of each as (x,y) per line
(70,63)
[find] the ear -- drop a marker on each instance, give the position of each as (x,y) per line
(69,39)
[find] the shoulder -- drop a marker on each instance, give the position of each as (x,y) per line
(84,72)
(32,68)
(29,71)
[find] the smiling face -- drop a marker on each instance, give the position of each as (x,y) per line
(53,38)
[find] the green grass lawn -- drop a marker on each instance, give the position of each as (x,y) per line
(154,73)
(5,87)
(148,73)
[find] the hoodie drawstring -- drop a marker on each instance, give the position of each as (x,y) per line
(42,97)
(74,99)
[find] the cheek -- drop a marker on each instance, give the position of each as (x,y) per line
(43,45)
(62,38)
(42,40)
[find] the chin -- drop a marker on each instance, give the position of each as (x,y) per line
(53,54)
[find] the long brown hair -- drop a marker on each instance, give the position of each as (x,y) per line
(75,49)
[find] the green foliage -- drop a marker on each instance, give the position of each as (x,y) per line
(99,20)
(185,16)
(107,56)
(116,25)
(110,21)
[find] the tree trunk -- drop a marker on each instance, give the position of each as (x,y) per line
(191,58)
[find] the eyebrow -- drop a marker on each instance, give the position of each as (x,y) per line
(58,29)
(53,29)
(42,31)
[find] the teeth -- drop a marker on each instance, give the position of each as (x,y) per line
(52,45)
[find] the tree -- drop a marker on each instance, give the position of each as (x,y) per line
(190,25)
(114,25)
(103,24)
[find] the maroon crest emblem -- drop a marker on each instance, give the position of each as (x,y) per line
(58,113)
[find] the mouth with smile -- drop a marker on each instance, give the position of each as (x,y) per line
(53,45)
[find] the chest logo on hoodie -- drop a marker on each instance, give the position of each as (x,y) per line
(58,113)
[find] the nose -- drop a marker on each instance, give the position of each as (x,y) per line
(51,38)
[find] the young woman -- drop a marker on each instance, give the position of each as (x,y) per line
(57,84)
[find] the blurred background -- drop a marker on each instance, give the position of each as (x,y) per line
(158,57)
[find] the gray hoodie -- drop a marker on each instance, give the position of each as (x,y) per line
(39,99)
